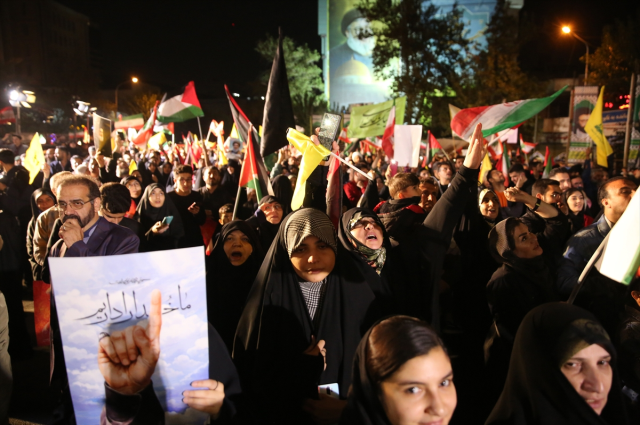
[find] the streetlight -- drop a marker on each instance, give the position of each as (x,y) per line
(82,109)
(133,80)
(21,98)
(567,30)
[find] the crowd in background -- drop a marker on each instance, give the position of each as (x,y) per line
(430,271)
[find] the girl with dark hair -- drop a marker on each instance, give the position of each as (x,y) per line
(231,269)
(401,375)
(576,200)
(563,372)
(136,191)
(307,310)
(155,233)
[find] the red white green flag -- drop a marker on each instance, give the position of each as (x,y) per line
(526,147)
(147,131)
(504,164)
(249,176)
(548,163)
(181,107)
(499,117)
(434,145)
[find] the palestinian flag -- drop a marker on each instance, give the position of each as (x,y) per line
(168,128)
(244,126)
(182,107)
(499,117)
(434,145)
(147,131)
(548,162)
(249,176)
(504,164)
(620,258)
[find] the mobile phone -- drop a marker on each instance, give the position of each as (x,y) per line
(329,129)
(167,220)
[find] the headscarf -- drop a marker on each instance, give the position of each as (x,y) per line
(266,231)
(128,179)
(282,190)
(275,327)
(502,245)
(148,215)
(35,211)
(229,285)
(481,196)
(374,257)
(536,391)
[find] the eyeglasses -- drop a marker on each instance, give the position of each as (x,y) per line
(76,204)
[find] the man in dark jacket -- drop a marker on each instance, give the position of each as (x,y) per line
(189,204)
(83,233)
(115,202)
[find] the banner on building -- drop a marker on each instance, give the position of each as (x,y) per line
(634,147)
(584,100)
(371,120)
(117,298)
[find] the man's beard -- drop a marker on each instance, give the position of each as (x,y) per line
(362,47)
(82,222)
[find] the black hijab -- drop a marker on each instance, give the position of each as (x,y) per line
(536,391)
(275,327)
(229,285)
(148,215)
(128,179)
(266,231)
(282,190)
(502,246)
(162,177)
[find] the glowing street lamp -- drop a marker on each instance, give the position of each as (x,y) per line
(567,30)
(21,98)
(134,80)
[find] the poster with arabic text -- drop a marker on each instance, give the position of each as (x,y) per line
(149,305)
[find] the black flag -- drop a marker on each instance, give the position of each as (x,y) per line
(278,111)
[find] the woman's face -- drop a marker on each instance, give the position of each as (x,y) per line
(272,211)
(44,202)
(137,175)
(526,243)
(421,391)
(576,202)
(490,206)
(589,373)
(237,247)
(152,167)
(156,198)
(368,233)
(166,168)
(134,188)
(313,260)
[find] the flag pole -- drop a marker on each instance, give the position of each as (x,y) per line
(199,127)
(594,258)
(351,166)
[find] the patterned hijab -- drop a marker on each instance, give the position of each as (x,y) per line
(309,222)
(374,257)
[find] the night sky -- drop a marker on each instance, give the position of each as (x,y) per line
(212,41)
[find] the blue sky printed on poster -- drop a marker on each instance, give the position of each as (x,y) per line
(104,294)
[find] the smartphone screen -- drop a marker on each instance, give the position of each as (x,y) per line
(329,129)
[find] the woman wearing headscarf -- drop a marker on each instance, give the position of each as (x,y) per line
(164,173)
(266,220)
(524,281)
(283,190)
(231,269)
(306,312)
(155,233)
(41,200)
(563,372)
(135,190)
(576,200)
(401,374)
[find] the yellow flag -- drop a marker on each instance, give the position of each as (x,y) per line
(86,140)
(312,155)
(594,129)
(234,132)
(157,140)
(222,157)
(484,167)
(34,158)
(132,167)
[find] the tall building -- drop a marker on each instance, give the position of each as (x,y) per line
(46,45)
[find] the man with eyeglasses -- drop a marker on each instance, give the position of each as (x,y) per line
(189,205)
(83,233)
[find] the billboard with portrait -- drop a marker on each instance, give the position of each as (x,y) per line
(584,100)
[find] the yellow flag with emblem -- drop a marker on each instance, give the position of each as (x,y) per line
(484,167)
(34,158)
(132,167)
(594,130)
(312,156)
(157,140)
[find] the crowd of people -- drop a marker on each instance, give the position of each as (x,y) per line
(429,272)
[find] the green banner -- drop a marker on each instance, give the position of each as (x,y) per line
(370,120)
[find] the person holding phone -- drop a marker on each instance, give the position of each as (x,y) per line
(158,231)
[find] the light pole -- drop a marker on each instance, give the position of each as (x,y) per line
(567,30)
(21,98)
(133,80)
